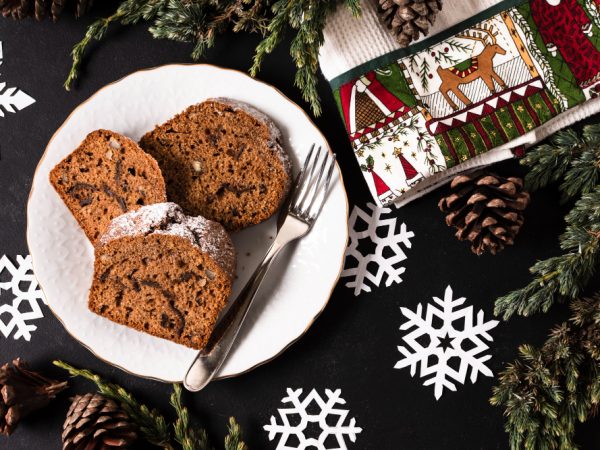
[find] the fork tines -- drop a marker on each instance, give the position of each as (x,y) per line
(312,184)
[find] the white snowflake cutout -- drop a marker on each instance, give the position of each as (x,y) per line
(387,253)
(444,341)
(332,432)
(25,294)
(12,99)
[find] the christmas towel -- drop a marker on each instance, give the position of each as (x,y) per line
(492,78)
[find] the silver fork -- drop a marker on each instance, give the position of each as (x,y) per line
(295,220)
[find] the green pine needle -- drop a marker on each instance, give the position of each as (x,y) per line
(549,162)
(188,438)
(129,12)
(200,21)
(233,441)
(548,390)
(151,423)
(96,31)
(192,439)
(576,159)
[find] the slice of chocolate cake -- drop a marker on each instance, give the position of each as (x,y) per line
(164,273)
(223,160)
(106,176)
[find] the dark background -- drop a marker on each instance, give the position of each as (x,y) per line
(352,346)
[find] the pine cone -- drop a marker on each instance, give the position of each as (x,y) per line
(20,9)
(486,209)
(22,392)
(95,422)
(408,19)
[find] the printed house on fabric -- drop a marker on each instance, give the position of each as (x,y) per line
(470,93)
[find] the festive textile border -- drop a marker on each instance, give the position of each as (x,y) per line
(476,90)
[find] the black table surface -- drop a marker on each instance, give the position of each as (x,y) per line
(352,345)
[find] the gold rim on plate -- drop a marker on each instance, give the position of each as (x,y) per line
(284,97)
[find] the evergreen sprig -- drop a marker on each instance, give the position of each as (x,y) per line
(548,390)
(129,12)
(569,155)
(152,425)
(197,439)
(188,438)
(233,441)
(200,21)
(575,159)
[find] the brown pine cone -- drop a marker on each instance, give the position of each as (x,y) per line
(486,209)
(20,9)
(408,19)
(22,392)
(95,422)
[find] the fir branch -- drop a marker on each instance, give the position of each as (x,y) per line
(307,18)
(151,423)
(273,36)
(548,390)
(583,175)
(183,21)
(252,19)
(565,276)
(233,440)
(575,159)
(305,53)
(549,162)
(96,31)
(200,21)
(128,12)
(568,154)
(188,438)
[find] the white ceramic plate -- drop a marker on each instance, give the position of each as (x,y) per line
(296,290)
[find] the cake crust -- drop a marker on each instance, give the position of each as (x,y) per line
(107,175)
(224,160)
(164,273)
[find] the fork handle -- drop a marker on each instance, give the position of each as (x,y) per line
(209,361)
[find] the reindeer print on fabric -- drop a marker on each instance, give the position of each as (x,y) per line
(482,89)
(462,95)
(477,67)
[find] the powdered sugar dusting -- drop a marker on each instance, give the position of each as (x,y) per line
(168,219)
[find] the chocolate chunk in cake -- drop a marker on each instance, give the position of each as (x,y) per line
(107,175)
(223,160)
(164,273)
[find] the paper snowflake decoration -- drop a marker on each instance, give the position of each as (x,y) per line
(20,298)
(385,238)
(310,413)
(446,343)
(12,99)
